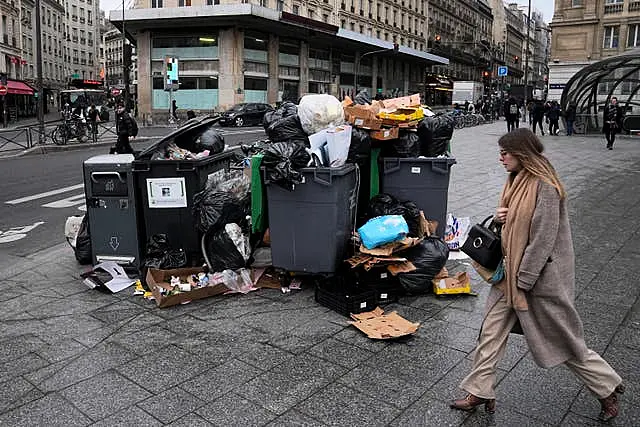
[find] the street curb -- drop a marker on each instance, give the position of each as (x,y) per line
(52,148)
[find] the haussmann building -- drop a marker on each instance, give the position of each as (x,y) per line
(242,52)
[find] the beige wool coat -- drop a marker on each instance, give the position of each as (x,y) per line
(551,326)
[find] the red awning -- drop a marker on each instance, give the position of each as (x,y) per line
(19,88)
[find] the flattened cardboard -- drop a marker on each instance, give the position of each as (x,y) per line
(157,279)
(402,267)
(380,326)
(390,248)
(403,101)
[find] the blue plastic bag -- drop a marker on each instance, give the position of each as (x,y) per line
(382,230)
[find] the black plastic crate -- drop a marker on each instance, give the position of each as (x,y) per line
(344,298)
(381,281)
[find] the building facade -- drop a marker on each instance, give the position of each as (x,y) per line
(586,31)
(270,51)
(82,39)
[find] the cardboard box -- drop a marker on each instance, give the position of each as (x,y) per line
(157,279)
(403,101)
(378,325)
(458,284)
(385,134)
(363,116)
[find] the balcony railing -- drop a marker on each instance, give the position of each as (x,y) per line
(74,39)
(81,20)
(634,6)
(613,8)
(74,18)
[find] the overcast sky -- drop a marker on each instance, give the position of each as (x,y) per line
(544,6)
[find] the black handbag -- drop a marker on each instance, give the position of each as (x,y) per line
(483,244)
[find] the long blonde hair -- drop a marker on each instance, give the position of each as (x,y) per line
(525,146)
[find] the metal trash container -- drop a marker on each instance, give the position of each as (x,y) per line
(112,209)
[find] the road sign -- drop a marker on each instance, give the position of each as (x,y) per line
(503,71)
(3,90)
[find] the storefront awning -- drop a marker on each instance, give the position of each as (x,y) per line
(18,88)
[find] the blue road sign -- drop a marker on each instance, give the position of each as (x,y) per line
(503,71)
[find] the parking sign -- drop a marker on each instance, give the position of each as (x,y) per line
(503,71)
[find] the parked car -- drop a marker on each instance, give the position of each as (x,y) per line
(245,114)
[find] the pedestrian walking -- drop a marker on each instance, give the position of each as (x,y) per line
(512,114)
(94,117)
(570,117)
(127,128)
(538,116)
(191,115)
(553,115)
(537,291)
(612,121)
(174,108)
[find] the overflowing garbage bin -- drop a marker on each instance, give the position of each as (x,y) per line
(310,226)
(112,209)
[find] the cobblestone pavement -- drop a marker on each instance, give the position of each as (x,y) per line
(71,356)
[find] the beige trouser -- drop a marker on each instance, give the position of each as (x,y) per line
(593,371)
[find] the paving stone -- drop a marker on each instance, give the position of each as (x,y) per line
(88,364)
(235,410)
(284,386)
(16,392)
(467,319)
(338,405)
(50,410)
(449,334)
(356,337)
(24,364)
(294,418)
(119,312)
(503,417)
(171,405)
(218,381)
(64,307)
(24,303)
(60,350)
(448,387)
(549,392)
(143,341)
(68,326)
(190,420)
(164,368)
(104,395)
(428,411)
(340,353)
(14,347)
(587,406)
(265,356)
(130,417)
(293,344)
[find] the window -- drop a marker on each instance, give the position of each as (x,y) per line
(280,5)
(613,1)
(325,17)
(634,36)
(183,3)
(156,3)
(576,3)
(296,9)
(611,35)
(312,13)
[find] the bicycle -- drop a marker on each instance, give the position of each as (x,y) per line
(71,128)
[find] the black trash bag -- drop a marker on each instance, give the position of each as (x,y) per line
(282,160)
(385,204)
(425,135)
(362,98)
(220,252)
(83,250)
(286,109)
(360,148)
(429,257)
(215,209)
(287,129)
(407,145)
(435,133)
(212,140)
(162,256)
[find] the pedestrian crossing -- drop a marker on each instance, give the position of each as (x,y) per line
(61,199)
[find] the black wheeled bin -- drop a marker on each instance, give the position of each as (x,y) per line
(424,181)
(166,188)
(310,227)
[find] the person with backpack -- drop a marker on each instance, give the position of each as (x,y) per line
(538,116)
(127,129)
(512,114)
(553,115)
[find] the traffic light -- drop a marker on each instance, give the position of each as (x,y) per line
(516,59)
(486,74)
(437,39)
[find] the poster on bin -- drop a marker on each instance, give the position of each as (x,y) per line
(166,192)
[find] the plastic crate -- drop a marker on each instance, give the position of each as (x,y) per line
(343,298)
(424,181)
(310,227)
(381,281)
(175,218)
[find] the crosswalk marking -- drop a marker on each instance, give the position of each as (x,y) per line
(67,203)
(45,194)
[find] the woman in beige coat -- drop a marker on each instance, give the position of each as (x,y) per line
(538,286)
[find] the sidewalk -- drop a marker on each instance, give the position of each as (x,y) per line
(74,357)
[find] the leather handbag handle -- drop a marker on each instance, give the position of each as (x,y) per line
(485,220)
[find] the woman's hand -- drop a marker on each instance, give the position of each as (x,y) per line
(501,215)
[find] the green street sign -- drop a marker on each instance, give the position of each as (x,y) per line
(75,76)
(35,95)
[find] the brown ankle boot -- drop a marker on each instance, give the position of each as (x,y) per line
(470,402)
(609,407)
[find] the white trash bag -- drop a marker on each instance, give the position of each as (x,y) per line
(319,111)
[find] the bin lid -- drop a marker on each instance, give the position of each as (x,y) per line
(189,131)
(109,159)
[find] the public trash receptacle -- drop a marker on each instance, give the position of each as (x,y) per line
(310,227)
(112,209)
(424,181)
(166,188)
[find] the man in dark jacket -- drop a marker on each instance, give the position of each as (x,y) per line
(127,128)
(570,116)
(538,115)
(612,121)
(512,114)
(553,115)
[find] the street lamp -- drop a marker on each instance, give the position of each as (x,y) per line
(395,49)
(526,60)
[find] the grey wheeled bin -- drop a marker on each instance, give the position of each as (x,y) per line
(112,209)
(424,181)
(310,227)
